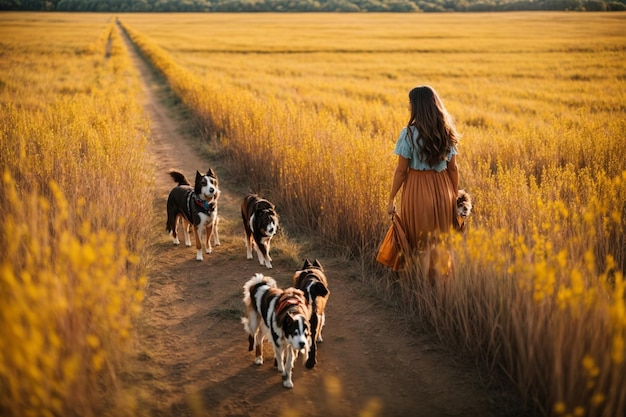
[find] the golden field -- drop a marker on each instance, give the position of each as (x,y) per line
(306,108)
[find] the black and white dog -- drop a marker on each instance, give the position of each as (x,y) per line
(196,206)
(464,208)
(312,281)
(280,314)
(260,222)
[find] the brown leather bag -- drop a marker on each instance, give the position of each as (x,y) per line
(394,246)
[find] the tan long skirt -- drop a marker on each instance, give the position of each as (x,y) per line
(427,208)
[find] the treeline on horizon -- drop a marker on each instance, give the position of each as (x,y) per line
(394,6)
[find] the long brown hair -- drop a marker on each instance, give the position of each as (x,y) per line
(434,125)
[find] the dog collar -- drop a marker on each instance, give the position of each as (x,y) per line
(202,203)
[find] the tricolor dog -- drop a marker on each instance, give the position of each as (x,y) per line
(280,314)
(463,208)
(260,222)
(312,281)
(196,206)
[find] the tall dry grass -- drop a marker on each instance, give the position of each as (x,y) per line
(73,258)
(307,111)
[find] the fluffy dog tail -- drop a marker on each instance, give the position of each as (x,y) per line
(253,285)
(257,279)
(179,177)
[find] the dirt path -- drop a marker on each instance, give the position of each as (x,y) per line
(193,350)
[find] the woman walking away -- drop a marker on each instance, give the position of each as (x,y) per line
(427,171)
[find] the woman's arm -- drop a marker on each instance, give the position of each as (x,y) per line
(453,171)
(402,170)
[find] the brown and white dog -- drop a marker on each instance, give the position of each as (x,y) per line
(312,281)
(281,314)
(260,222)
(195,206)
(464,208)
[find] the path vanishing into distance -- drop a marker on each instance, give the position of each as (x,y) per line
(192,355)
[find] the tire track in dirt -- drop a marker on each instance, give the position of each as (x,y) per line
(193,358)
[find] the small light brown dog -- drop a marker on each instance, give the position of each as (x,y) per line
(463,209)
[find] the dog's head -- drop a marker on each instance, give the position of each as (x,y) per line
(464,204)
(293,318)
(266,221)
(206,186)
(312,280)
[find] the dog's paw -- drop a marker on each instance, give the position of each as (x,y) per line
(258,361)
(199,256)
(287,382)
(249,256)
(188,244)
(176,241)
(209,250)
(310,363)
(268,264)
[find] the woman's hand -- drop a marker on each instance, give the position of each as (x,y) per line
(391,208)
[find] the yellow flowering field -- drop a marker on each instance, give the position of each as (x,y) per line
(72,258)
(307,108)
